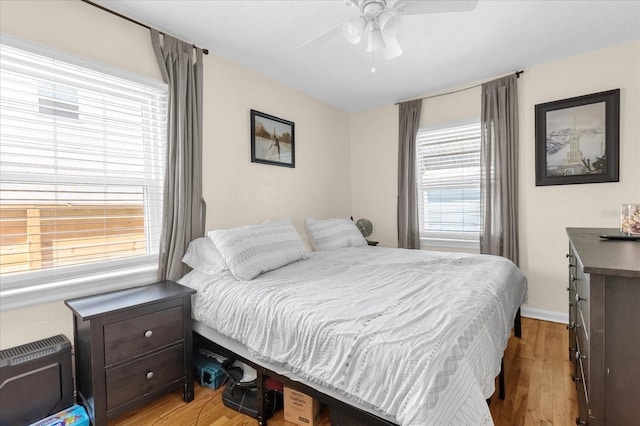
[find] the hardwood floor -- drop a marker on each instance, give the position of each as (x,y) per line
(538,384)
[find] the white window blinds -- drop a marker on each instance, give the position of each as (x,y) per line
(448,176)
(81,167)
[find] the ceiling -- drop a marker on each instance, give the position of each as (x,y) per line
(441,50)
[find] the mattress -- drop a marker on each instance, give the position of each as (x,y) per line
(414,336)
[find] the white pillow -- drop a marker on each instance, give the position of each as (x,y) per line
(331,234)
(251,250)
(202,255)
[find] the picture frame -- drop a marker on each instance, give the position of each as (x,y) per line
(272,140)
(577,139)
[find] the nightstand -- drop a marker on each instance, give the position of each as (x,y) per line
(132,346)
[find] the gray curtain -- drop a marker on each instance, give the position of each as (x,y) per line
(408,224)
(184,208)
(499,168)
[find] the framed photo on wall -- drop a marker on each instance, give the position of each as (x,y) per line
(272,140)
(577,139)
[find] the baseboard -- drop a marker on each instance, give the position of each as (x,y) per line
(542,314)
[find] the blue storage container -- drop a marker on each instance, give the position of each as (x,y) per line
(72,416)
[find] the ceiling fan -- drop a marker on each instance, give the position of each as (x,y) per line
(379,20)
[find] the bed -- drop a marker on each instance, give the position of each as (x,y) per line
(406,337)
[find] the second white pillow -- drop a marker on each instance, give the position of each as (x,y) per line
(331,234)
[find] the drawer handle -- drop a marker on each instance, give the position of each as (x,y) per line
(576,379)
(579,421)
(148,333)
(578,356)
(574,278)
(149,375)
(579,299)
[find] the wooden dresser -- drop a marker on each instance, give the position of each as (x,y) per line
(604,326)
(132,346)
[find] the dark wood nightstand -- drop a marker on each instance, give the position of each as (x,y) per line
(132,346)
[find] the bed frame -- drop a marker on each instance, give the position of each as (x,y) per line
(342,413)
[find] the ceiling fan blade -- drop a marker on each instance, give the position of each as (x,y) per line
(325,36)
(417,7)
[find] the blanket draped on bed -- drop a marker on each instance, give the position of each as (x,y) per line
(418,336)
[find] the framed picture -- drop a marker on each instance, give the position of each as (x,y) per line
(577,139)
(272,140)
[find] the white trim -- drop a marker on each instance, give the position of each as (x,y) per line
(92,284)
(451,124)
(50,52)
(542,314)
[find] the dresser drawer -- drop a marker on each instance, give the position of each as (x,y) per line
(582,297)
(139,335)
(583,404)
(582,358)
(130,381)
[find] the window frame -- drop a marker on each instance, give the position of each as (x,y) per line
(440,240)
(55,284)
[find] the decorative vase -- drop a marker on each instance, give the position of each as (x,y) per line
(630,219)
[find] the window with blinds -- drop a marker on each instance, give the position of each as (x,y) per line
(82,151)
(448,174)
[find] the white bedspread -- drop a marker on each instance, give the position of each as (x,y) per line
(415,335)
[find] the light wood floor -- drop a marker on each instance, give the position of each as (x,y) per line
(538,384)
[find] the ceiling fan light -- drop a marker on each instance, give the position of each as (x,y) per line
(353,29)
(401,7)
(392,48)
(388,24)
(375,42)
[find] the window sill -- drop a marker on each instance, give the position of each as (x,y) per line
(450,244)
(23,297)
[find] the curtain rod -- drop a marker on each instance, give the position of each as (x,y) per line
(119,15)
(454,91)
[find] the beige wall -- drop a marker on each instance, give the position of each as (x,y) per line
(237,191)
(374,156)
(544,211)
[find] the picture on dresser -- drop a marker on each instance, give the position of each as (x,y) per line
(577,139)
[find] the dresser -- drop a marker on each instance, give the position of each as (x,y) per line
(604,326)
(132,346)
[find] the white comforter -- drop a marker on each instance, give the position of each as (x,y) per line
(415,335)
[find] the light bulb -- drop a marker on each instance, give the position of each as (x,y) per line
(392,48)
(375,42)
(353,29)
(373,70)
(388,24)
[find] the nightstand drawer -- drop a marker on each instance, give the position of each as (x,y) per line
(138,378)
(142,334)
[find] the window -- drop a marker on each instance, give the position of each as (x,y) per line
(448,174)
(82,151)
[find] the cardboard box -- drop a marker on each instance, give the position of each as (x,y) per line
(72,416)
(300,409)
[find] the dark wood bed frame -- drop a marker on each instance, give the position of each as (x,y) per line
(342,413)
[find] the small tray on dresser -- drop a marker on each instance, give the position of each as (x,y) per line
(620,236)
